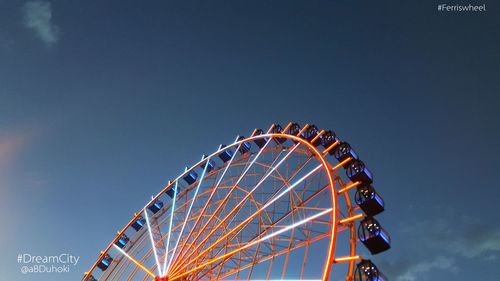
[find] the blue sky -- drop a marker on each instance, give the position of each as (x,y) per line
(101,103)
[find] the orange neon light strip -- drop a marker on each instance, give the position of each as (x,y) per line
(341,163)
(355,217)
(317,136)
(303,130)
(349,187)
(345,259)
(287,127)
(330,147)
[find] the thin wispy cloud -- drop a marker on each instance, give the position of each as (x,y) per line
(413,269)
(38,18)
(461,236)
(455,239)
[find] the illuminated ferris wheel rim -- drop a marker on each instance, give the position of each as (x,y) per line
(269,136)
(237,143)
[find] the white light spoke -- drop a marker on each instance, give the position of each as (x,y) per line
(134,261)
(248,245)
(244,199)
(187,217)
(152,242)
(170,227)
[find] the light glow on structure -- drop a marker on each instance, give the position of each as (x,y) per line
(134,261)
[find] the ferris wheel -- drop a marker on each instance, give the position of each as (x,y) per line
(289,203)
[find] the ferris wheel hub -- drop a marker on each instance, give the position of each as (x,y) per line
(158,278)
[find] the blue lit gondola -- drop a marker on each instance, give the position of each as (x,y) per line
(373,236)
(293,129)
(225,155)
(156,206)
(105,262)
(328,139)
(191,177)
(310,133)
(367,271)
(260,142)
(138,223)
(170,191)
(357,171)
(244,147)
(122,241)
(210,164)
(343,151)
(277,129)
(369,200)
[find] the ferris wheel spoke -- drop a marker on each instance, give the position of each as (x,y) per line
(251,197)
(177,227)
(181,251)
(220,265)
(187,216)
(248,245)
(134,261)
(252,216)
(142,260)
(240,227)
(170,226)
(296,208)
(257,205)
(153,244)
(226,198)
(242,201)
(256,259)
(272,256)
(235,236)
(202,275)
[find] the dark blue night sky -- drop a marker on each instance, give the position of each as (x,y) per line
(102,102)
